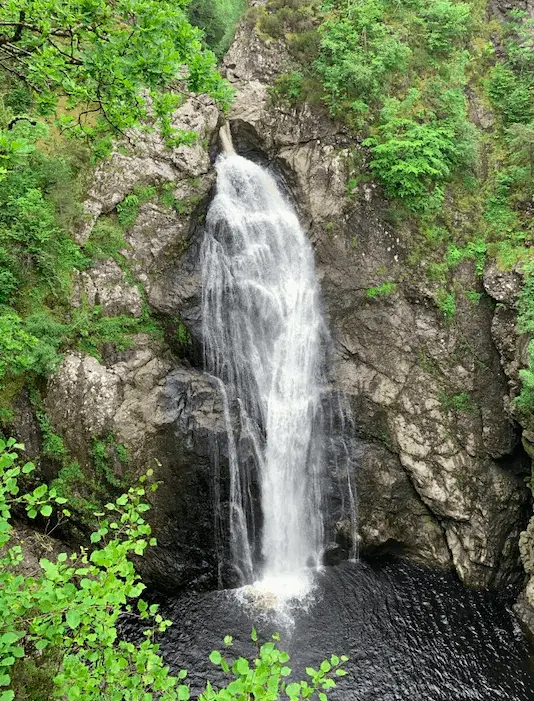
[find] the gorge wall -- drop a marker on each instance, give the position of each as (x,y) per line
(440,464)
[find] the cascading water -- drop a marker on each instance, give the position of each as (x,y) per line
(264,337)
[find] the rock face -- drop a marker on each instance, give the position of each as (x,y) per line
(439,468)
(168,418)
(438,472)
(504,286)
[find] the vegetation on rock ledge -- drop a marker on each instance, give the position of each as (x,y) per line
(443,99)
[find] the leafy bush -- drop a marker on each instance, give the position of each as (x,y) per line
(59,627)
(511,94)
(140,48)
(287,88)
(415,155)
(32,243)
(447,23)
(359,54)
(17,347)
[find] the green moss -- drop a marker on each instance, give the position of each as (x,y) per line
(473,296)
(461,403)
(53,445)
(106,241)
(183,337)
(108,457)
(128,209)
(185,206)
(383,290)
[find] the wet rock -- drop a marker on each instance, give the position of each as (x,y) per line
(390,510)
(334,554)
(145,160)
(502,285)
(169,419)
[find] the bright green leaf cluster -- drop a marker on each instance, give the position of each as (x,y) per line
(68,613)
(265,678)
(125,62)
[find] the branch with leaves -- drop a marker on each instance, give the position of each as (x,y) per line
(67,614)
(116,58)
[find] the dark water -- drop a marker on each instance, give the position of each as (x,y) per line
(411,634)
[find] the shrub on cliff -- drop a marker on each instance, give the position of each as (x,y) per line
(58,630)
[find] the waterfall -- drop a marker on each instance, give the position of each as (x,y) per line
(264,337)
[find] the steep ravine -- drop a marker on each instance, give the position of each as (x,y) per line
(439,481)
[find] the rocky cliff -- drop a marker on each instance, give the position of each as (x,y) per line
(440,465)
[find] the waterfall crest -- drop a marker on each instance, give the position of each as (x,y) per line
(263,339)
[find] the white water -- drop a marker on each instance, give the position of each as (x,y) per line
(263,334)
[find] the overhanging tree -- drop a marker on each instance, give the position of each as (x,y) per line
(107,65)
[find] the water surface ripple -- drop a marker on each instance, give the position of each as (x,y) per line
(412,634)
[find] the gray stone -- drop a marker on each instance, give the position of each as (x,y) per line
(104,285)
(169,419)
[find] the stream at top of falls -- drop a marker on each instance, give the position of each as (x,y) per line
(411,633)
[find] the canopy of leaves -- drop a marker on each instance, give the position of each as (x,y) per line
(125,62)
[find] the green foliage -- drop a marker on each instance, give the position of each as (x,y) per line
(383,290)
(287,87)
(183,337)
(218,20)
(106,241)
(90,331)
(447,24)
(461,403)
(16,346)
(124,66)
(128,209)
(521,145)
(510,85)
(52,444)
(108,457)
(183,207)
(6,416)
(288,17)
(525,400)
(97,72)
(58,632)
(446,302)
(360,54)
(414,152)
(33,245)
(511,94)
(265,678)
(473,296)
